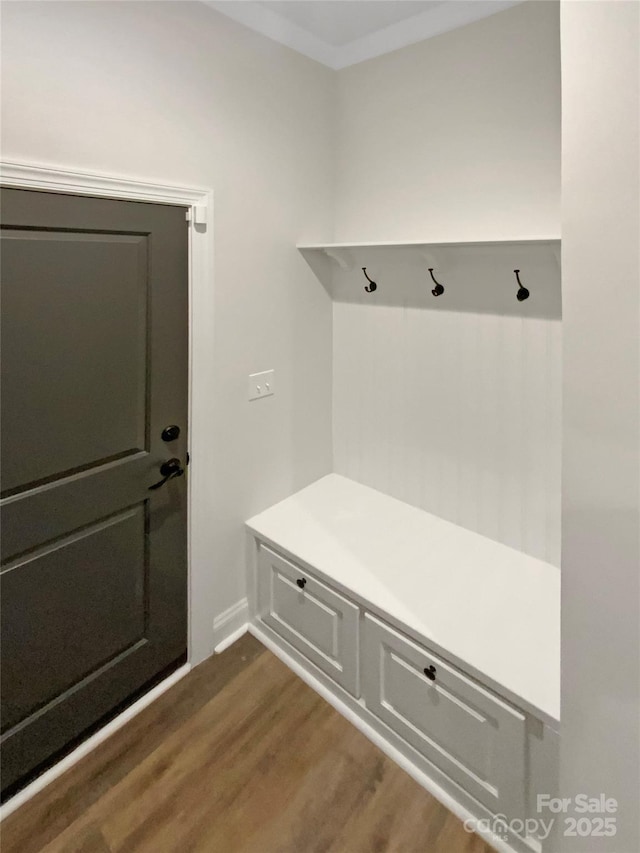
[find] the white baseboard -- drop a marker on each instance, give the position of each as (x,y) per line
(91,743)
(230,625)
(230,640)
(416,773)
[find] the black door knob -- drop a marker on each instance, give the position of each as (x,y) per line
(301,582)
(169,469)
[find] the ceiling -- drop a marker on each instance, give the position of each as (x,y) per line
(340,33)
(338,23)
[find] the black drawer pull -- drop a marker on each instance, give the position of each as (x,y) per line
(301,582)
(430,672)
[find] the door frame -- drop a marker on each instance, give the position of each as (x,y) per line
(199,202)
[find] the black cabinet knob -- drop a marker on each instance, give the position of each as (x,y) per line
(301,582)
(430,672)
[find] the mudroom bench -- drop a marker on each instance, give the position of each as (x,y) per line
(442,644)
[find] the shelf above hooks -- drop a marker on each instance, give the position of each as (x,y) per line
(470,276)
(334,248)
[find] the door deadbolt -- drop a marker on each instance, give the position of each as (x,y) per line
(170,433)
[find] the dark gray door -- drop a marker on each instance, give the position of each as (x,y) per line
(94,367)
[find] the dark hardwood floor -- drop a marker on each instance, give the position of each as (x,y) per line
(238,757)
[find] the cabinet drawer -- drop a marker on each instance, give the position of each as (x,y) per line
(309,615)
(470,734)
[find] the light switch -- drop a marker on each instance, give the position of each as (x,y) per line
(261,384)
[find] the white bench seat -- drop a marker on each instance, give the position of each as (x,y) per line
(491,610)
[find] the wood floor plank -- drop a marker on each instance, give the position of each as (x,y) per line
(87,839)
(54,809)
(240,757)
(206,764)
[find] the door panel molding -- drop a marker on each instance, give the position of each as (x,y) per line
(199,202)
(118,310)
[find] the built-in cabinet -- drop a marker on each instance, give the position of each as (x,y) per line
(418,585)
(442,641)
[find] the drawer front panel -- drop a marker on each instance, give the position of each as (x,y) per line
(314,619)
(470,734)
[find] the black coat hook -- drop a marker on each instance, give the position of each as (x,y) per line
(522,293)
(372,284)
(438,290)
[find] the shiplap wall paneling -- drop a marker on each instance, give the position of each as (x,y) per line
(454,411)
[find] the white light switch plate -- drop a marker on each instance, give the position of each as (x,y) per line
(261,384)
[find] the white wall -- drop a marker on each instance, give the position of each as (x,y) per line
(177,93)
(454,404)
(600,744)
(454,138)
